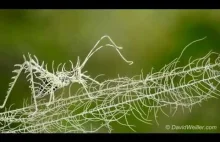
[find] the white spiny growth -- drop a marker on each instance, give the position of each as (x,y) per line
(114,100)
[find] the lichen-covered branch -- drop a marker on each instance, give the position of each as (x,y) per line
(114,100)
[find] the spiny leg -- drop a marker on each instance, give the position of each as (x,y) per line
(11,85)
(32,86)
(34,96)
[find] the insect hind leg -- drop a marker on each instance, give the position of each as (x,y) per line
(11,85)
(31,80)
(34,95)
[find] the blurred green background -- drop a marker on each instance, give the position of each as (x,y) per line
(151,38)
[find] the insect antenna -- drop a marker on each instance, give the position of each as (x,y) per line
(95,49)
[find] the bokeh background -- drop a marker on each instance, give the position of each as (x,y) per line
(151,38)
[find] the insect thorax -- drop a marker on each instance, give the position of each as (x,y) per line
(64,78)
